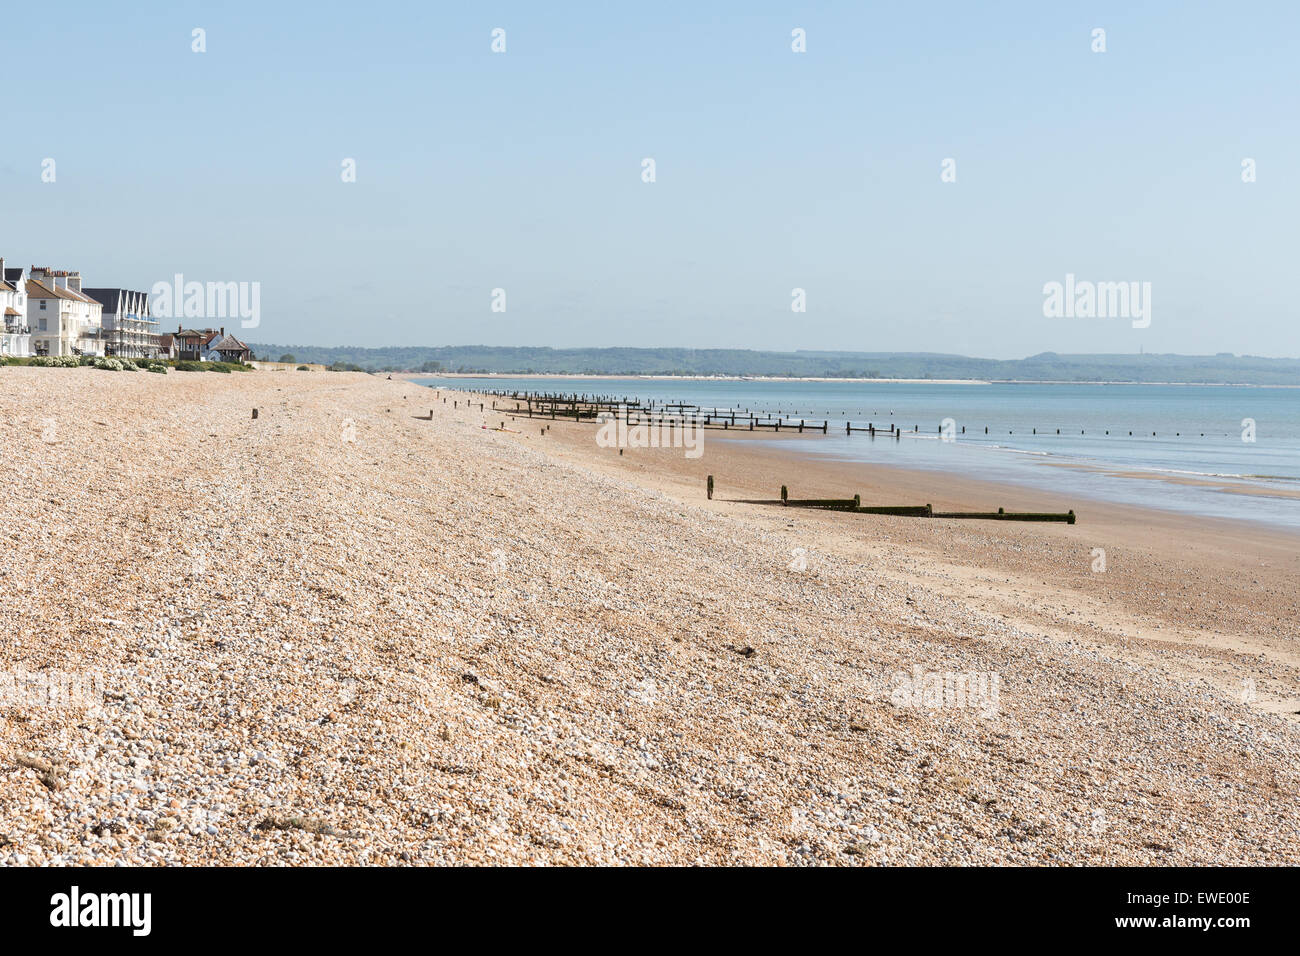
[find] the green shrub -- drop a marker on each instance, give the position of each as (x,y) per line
(56,361)
(303,368)
(209,367)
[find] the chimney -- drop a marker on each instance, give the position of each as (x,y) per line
(2,268)
(74,281)
(223,331)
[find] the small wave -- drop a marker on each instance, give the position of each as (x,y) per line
(1218,474)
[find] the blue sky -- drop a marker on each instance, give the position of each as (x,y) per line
(774,170)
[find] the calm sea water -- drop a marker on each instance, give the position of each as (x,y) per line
(1192,433)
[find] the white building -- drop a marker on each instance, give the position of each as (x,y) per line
(15,337)
(128,329)
(63,320)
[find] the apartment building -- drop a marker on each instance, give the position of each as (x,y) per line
(63,320)
(15,336)
(127,328)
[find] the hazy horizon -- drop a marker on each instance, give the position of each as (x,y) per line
(756,348)
(775,170)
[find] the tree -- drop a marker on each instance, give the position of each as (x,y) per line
(287,357)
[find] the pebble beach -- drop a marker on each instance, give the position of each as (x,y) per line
(362,628)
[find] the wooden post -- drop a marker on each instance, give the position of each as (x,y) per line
(710,487)
(255,414)
(785,494)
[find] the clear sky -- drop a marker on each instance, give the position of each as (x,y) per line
(774,170)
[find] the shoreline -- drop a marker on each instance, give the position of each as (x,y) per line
(413,376)
(1183,546)
(364,627)
(1253,487)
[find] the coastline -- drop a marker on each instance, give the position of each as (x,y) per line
(1143,599)
(364,627)
(415,376)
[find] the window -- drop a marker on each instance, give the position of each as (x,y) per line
(42,305)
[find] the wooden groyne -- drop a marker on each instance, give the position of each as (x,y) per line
(586,407)
(580,409)
(856,506)
(1003,515)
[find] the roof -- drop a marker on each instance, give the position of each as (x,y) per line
(13,275)
(112,297)
(228,343)
(105,297)
(6,287)
(12,311)
(36,289)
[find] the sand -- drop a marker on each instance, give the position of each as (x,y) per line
(347,633)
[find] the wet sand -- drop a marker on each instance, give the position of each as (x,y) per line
(1226,593)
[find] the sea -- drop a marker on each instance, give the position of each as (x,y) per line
(1215,451)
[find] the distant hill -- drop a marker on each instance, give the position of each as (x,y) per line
(1049,366)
